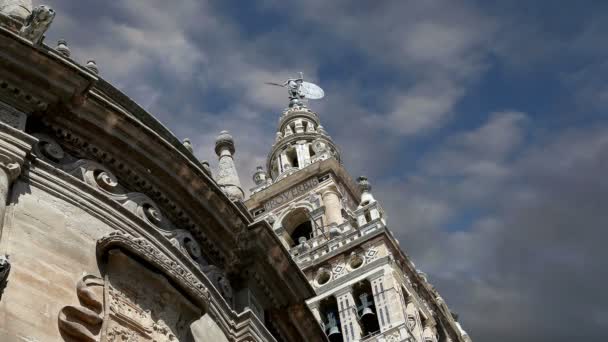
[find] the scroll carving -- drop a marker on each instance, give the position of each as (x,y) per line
(83,323)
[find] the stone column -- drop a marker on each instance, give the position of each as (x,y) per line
(380,301)
(227,177)
(303,154)
(348,316)
(333,206)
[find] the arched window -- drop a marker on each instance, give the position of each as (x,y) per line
(292,157)
(298,225)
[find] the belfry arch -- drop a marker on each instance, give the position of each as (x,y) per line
(298,225)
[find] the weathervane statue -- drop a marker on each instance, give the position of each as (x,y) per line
(298,90)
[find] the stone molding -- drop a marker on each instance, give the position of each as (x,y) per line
(15,147)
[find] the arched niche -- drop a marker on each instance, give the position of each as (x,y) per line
(298,225)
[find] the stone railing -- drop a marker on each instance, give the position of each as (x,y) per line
(321,245)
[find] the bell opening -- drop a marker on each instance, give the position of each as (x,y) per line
(366,308)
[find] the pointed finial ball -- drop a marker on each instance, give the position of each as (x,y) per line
(188,145)
(224,141)
(92,66)
(364,184)
(62,48)
(259,176)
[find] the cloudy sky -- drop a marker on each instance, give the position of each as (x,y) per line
(483,128)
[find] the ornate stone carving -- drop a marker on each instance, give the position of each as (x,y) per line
(16,9)
(411,321)
(151,254)
(171,211)
(143,305)
(5,269)
(13,170)
(83,323)
(184,241)
(218,278)
(37,24)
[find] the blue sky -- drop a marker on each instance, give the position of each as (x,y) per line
(481,125)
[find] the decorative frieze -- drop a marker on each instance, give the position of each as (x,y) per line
(291,193)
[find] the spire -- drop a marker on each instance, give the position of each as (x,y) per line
(227,177)
(300,139)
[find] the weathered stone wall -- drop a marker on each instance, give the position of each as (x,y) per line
(51,243)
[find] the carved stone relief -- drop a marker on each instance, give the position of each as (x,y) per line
(37,24)
(101,178)
(143,305)
(155,199)
(83,323)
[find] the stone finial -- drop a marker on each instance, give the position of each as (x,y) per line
(92,66)
(227,176)
(37,23)
(364,184)
(224,141)
(366,195)
(16,9)
(260,176)
(62,48)
(207,168)
(188,145)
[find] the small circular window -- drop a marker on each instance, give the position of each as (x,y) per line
(355,261)
(323,276)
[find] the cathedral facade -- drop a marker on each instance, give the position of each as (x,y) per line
(112,230)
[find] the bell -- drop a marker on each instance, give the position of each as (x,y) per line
(366,307)
(368,318)
(367,311)
(333,332)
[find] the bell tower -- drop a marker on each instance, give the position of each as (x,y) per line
(367,288)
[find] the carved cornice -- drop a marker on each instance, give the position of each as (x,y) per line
(38,76)
(156,210)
